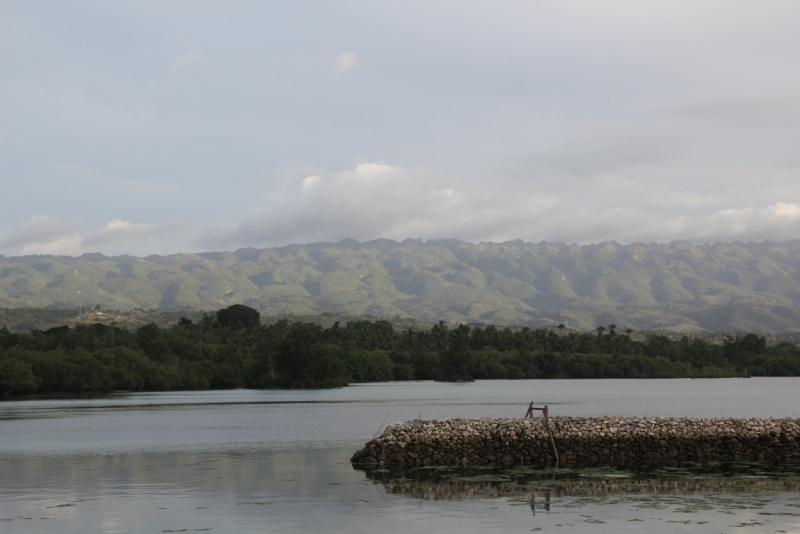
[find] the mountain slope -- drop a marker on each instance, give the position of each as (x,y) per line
(729,286)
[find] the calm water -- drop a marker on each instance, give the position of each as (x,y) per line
(277,461)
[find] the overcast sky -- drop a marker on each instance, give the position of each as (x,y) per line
(161,127)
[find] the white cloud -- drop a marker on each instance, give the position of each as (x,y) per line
(379,200)
(778,222)
(310,182)
(49,235)
(376,200)
(116,231)
(345,62)
(68,245)
(39,230)
(119,224)
(788,211)
(185,60)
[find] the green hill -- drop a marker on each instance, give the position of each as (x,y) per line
(724,286)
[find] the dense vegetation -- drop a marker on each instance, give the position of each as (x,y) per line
(233,349)
(748,287)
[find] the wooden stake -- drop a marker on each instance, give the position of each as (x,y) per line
(550,432)
(529,415)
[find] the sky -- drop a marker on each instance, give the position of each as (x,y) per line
(163,127)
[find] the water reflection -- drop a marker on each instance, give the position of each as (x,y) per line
(277,461)
(310,491)
(696,497)
(447,483)
(155,492)
(762,493)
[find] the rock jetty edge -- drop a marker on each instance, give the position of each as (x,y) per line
(581,441)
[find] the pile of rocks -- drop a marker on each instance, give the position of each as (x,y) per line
(582,441)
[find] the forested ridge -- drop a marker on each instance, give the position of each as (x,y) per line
(232,349)
(748,287)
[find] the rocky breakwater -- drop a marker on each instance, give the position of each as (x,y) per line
(582,441)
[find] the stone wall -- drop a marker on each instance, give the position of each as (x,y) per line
(582,441)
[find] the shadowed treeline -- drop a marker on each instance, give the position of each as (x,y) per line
(233,349)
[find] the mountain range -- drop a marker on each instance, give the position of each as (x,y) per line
(678,286)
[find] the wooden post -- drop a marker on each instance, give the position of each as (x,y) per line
(550,432)
(529,414)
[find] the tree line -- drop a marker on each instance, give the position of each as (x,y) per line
(233,349)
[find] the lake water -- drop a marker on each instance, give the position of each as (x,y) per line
(277,461)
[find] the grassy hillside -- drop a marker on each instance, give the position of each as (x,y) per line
(732,286)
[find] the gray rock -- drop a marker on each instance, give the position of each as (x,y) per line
(583,441)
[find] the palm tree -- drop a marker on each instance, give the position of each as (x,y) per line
(561,328)
(600,330)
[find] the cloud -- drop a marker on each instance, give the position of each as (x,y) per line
(68,245)
(49,235)
(116,231)
(521,120)
(379,200)
(185,60)
(776,222)
(374,200)
(39,230)
(780,221)
(345,62)
(310,182)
